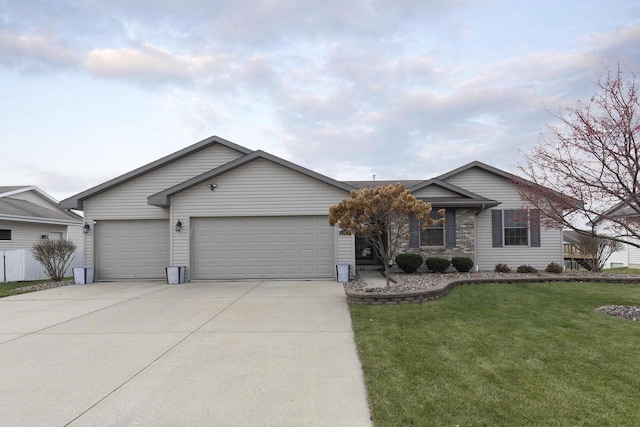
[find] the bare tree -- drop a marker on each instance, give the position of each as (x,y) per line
(55,256)
(586,169)
(382,213)
(596,251)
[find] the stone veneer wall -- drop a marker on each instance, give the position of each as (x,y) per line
(465,239)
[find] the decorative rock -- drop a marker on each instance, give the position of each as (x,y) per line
(421,287)
(622,311)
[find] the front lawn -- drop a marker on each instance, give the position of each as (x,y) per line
(510,355)
(622,270)
(13,288)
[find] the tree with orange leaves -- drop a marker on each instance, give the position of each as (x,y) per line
(376,213)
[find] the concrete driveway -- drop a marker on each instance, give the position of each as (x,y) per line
(269,353)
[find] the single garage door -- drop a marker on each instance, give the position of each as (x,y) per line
(262,247)
(132,249)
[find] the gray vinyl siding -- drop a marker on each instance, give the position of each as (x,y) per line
(434,191)
(498,188)
(25,234)
(259,188)
(345,250)
(74,233)
(129,200)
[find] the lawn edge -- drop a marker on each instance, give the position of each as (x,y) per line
(442,289)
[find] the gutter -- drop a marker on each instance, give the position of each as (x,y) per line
(40,220)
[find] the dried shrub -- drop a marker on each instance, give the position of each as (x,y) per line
(554,267)
(409,263)
(462,264)
(55,256)
(502,268)
(526,269)
(437,264)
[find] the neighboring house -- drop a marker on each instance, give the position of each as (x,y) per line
(28,215)
(628,255)
(226,212)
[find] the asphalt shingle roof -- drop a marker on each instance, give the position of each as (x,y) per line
(16,207)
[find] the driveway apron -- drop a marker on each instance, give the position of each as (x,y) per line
(247,353)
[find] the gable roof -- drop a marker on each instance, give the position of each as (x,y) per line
(570,201)
(373,184)
(22,210)
(480,165)
(466,199)
(77,201)
(10,190)
(163,198)
(621,209)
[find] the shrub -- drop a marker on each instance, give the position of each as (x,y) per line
(437,264)
(526,269)
(55,256)
(462,264)
(409,263)
(553,268)
(502,268)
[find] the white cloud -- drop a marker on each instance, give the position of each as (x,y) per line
(33,52)
(406,88)
(150,64)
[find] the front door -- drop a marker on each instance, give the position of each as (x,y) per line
(365,253)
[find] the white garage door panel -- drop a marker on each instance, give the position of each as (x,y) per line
(262,247)
(132,249)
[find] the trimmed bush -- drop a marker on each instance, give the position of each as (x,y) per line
(462,264)
(409,263)
(526,269)
(437,264)
(554,267)
(502,268)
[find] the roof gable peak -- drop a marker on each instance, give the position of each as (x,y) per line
(163,198)
(77,201)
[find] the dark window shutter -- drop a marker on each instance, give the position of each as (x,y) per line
(450,227)
(496,227)
(534,223)
(414,231)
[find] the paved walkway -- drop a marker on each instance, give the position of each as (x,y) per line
(373,278)
(226,353)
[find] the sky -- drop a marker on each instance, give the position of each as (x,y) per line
(404,89)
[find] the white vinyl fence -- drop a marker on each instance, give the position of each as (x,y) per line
(20,265)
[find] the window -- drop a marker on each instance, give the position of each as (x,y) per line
(55,235)
(5,234)
(516,228)
(433,236)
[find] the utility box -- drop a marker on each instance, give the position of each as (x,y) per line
(342,272)
(176,274)
(83,275)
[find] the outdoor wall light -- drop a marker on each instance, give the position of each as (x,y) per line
(212,186)
(86,228)
(178,225)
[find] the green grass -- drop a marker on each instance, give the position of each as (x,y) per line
(503,355)
(13,288)
(622,270)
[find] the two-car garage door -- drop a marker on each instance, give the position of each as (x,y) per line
(297,247)
(262,247)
